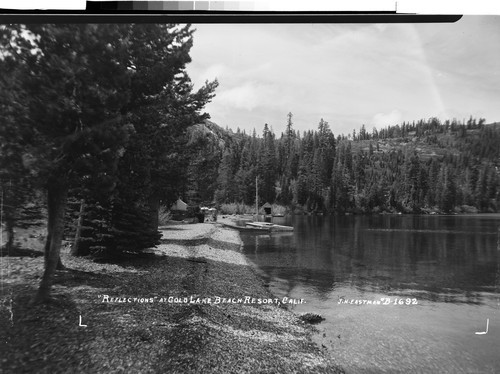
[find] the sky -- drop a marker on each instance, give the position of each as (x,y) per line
(348,74)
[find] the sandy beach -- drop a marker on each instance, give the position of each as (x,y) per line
(193,305)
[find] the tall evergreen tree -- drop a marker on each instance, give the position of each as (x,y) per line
(267,166)
(82,86)
(73,92)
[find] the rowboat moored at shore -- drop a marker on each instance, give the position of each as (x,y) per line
(247,228)
(258,227)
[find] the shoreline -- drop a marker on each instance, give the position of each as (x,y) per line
(193,262)
(270,334)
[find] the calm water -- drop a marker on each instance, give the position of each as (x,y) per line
(448,265)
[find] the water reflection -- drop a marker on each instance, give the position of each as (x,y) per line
(439,258)
(450,264)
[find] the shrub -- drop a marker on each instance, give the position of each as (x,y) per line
(468,209)
(164,215)
(236,208)
(279,209)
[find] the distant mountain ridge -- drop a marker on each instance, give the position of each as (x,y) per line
(412,167)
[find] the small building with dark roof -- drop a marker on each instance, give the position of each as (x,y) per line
(268,209)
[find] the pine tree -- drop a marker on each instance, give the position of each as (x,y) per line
(226,189)
(70,92)
(82,87)
(267,166)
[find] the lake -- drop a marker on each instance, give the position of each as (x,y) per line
(400,293)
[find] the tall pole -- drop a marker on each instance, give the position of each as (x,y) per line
(256,199)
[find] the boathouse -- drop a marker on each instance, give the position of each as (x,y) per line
(268,209)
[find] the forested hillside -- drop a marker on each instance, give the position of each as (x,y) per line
(424,166)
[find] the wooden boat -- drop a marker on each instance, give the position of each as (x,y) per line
(247,228)
(272,226)
(262,227)
(260,224)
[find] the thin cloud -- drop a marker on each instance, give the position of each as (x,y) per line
(247,96)
(348,74)
(387,119)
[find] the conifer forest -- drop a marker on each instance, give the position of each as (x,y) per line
(421,167)
(100,127)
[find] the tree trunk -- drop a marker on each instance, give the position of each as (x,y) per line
(57,194)
(50,224)
(46,251)
(154,205)
(75,250)
(9,227)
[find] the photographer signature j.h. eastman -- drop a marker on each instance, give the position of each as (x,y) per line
(381,301)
